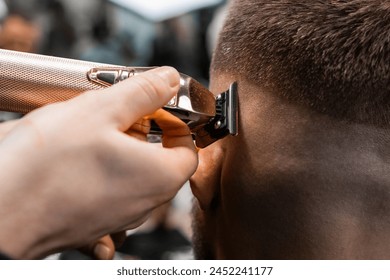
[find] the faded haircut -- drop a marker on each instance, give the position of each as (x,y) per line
(330,55)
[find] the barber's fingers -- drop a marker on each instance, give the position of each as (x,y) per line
(170,125)
(174,164)
(102,249)
(7,126)
(126,102)
(175,133)
(179,149)
(182,159)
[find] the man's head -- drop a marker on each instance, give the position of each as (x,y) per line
(308,175)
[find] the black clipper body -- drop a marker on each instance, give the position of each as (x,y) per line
(30,81)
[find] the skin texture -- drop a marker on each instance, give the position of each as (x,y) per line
(104,248)
(308,175)
(70,173)
(294,184)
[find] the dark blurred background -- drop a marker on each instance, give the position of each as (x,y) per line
(112,32)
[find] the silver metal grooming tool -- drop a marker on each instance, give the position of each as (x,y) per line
(29,81)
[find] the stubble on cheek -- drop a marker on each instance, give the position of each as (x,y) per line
(203,244)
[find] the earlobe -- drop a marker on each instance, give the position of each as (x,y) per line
(205,183)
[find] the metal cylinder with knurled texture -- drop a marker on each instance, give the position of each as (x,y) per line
(29,81)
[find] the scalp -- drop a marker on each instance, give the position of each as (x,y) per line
(331,56)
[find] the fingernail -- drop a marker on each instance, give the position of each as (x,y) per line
(169,74)
(101,252)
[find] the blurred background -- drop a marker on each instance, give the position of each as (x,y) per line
(124,32)
(178,33)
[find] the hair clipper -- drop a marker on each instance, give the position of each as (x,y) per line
(29,81)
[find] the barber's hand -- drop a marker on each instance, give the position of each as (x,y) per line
(6,127)
(70,174)
(104,248)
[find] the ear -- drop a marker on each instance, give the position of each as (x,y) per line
(205,183)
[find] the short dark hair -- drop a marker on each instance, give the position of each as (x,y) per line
(330,55)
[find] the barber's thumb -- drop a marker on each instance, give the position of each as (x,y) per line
(157,87)
(142,94)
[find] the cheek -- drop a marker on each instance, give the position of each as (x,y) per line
(202,240)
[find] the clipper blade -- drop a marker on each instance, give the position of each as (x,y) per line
(225,121)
